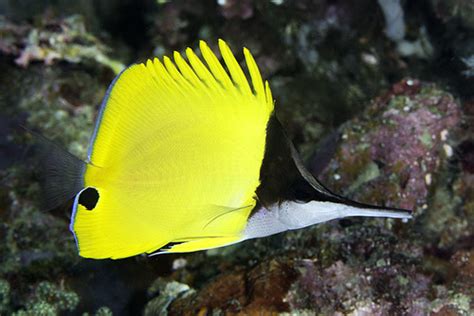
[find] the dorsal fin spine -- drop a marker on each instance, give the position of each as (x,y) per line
(215,66)
(202,71)
(234,68)
(257,81)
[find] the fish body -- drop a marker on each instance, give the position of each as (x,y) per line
(188,155)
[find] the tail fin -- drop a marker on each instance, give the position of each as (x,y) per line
(60,172)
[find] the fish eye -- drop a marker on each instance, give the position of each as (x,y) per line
(89,198)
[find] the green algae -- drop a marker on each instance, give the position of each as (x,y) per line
(370,172)
(443,218)
(4,296)
(49,299)
(103,311)
(425,138)
(460,302)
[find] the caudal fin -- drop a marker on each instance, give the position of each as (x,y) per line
(60,172)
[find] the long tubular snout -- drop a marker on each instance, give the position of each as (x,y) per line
(291,215)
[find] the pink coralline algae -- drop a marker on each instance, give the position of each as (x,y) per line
(391,154)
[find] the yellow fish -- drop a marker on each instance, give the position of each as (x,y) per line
(188,155)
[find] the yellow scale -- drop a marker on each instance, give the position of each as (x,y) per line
(176,156)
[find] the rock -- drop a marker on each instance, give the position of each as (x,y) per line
(463,262)
(54,40)
(260,289)
(392,153)
(325,60)
(449,10)
(166,293)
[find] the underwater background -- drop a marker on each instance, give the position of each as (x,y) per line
(378,97)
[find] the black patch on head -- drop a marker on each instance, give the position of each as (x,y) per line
(280,179)
(284,178)
(89,198)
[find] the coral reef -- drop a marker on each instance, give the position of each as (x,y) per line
(373,123)
(49,299)
(403,137)
(53,40)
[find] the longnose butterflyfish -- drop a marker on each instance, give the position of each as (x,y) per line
(188,154)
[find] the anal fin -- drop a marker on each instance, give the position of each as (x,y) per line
(197,244)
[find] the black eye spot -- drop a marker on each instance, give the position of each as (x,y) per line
(89,198)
